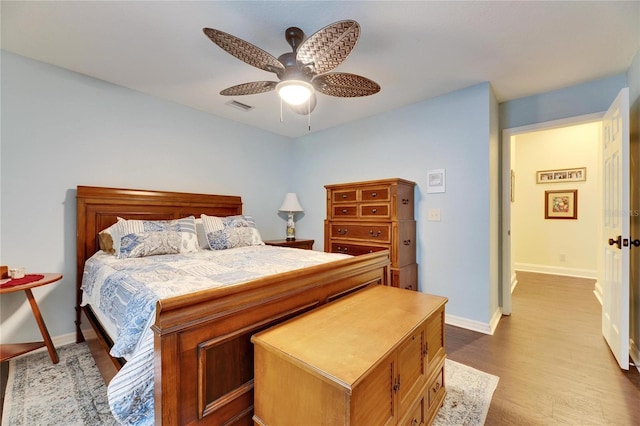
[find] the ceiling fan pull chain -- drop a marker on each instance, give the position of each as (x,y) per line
(309,112)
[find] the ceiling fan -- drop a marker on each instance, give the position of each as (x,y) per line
(303,71)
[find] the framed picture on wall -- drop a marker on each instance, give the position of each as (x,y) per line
(435,181)
(561,204)
(562,175)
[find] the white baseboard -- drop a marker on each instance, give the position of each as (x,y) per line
(514,282)
(557,270)
(597,291)
(634,351)
(57,341)
(472,325)
(495,319)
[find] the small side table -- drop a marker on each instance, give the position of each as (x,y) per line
(298,243)
(14,349)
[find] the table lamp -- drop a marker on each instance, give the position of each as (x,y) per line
(291,205)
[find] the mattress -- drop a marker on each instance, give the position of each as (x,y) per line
(123,295)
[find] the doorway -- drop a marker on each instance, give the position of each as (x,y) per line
(523,206)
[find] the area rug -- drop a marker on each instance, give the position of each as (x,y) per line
(469,393)
(72,392)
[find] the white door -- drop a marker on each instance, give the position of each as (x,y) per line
(615,274)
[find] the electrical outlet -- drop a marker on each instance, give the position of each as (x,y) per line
(433,215)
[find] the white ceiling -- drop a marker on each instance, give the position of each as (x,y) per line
(415,50)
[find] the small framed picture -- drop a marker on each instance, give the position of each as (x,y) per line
(435,181)
(562,175)
(561,204)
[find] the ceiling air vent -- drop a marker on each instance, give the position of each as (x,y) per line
(240,106)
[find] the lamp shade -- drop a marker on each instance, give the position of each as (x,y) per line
(291,203)
(294,92)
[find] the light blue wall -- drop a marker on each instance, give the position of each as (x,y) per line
(582,99)
(61,129)
(449,132)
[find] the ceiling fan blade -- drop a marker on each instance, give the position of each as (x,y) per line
(345,85)
(244,51)
(327,48)
(250,88)
(305,108)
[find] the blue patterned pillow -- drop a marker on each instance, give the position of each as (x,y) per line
(140,238)
(231,231)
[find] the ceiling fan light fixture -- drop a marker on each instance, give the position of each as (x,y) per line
(294,92)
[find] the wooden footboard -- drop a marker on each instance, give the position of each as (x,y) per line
(203,354)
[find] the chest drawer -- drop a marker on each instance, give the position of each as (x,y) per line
(355,249)
(373,232)
(374,211)
(345,211)
(345,196)
(436,388)
(375,194)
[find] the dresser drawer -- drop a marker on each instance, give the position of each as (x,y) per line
(374,211)
(405,277)
(345,196)
(375,194)
(436,388)
(355,249)
(345,211)
(373,232)
(416,417)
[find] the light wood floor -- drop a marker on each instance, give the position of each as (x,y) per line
(555,367)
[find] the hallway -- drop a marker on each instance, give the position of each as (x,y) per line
(554,365)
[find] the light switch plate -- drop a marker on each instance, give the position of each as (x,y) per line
(433,215)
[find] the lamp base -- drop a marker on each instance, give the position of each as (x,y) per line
(291,228)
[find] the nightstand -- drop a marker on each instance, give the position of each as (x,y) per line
(298,243)
(11,350)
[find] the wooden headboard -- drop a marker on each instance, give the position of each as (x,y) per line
(99,208)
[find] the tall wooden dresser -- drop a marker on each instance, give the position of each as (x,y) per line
(363,217)
(354,362)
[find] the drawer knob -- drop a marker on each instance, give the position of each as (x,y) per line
(405,201)
(374,194)
(344,211)
(342,250)
(374,234)
(436,387)
(374,211)
(407,242)
(344,195)
(342,231)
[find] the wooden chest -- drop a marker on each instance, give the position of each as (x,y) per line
(373,358)
(363,217)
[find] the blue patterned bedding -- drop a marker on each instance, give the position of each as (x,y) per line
(125,292)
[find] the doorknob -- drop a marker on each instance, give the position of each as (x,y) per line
(617,241)
(635,243)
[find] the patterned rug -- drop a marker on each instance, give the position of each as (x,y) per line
(469,393)
(72,392)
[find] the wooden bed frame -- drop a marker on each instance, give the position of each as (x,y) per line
(203,355)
